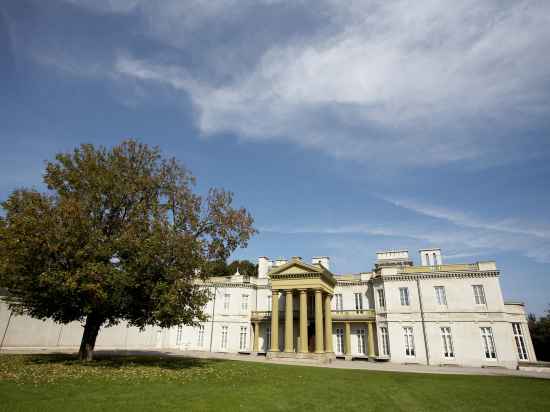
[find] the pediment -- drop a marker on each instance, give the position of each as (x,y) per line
(296,274)
(297,267)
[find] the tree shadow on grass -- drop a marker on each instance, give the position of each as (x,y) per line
(124,359)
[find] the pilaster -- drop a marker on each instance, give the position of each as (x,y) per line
(275,321)
(289,321)
(319,347)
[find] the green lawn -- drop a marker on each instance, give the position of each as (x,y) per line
(147,383)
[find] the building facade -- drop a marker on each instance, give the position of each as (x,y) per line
(433,314)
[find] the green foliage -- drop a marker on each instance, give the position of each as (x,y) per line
(221,268)
(540,335)
(245,267)
(119,236)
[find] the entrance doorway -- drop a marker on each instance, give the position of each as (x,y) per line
(311,337)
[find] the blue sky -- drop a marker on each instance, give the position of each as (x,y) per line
(344,127)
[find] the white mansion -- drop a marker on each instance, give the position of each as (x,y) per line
(432,314)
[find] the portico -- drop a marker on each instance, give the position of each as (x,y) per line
(303,282)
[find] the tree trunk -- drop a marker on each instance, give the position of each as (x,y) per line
(91,329)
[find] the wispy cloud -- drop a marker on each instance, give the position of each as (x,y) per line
(458,233)
(509,225)
(426,84)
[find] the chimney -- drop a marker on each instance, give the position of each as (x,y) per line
(430,257)
(263,267)
(323,260)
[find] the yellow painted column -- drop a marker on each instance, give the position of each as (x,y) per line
(319,321)
(275,321)
(303,321)
(256,347)
(370,341)
(328,324)
(347,342)
(289,322)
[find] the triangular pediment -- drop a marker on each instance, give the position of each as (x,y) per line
(297,274)
(295,266)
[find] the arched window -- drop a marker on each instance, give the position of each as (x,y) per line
(435,259)
(427,259)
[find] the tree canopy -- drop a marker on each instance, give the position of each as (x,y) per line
(119,235)
(221,268)
(540,335)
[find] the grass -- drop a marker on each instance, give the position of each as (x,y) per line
(144,383)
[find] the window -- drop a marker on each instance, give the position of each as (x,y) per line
(226,300)
(440,295)
(409,341)
(358,302)
(448,350)
(268,338)
(242,341)
(339,302)
(224,337)
(244,303)
(361,342)
(435,259)
(427,259)
(339,340)
(488,343)
(479,295)
(404,295)
(520,342)
(200,340)
(381,298)
(269,303)
(385,341)
(179,335)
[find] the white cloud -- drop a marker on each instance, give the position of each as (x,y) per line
(421,82)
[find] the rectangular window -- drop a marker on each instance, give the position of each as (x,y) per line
(448,350)
(361,342)
(226,301)
(381,298)
(409,341)
(404,296)
(479,295)
(358,302)
(179,335)
(520,342)
(385,341)
(224,337)
(200,340)
(244,303)
(488,343)
(339,340)
(243,343)
(440,295)
(339,302)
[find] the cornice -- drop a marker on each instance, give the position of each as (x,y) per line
(439,275)
(235,285)
(308,275)
(352,282)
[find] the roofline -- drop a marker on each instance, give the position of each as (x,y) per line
(393,251)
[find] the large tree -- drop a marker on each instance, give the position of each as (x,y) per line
(119,235)
(540,335)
